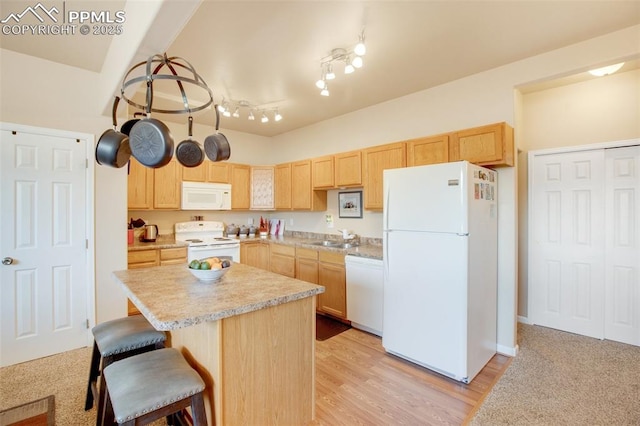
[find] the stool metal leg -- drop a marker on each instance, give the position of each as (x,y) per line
(94,371)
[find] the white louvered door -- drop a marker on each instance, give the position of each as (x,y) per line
(43,292)
(622,250)
(584,259)
(567,252)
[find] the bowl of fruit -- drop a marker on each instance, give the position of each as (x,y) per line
(210,269)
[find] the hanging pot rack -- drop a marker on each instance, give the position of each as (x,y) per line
(158,63)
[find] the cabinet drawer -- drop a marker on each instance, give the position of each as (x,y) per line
(331,257)
(142,256)
(173,253)
(283,250)
(305,253)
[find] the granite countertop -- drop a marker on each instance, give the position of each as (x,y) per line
(162,242)
(170,297)
(373,251)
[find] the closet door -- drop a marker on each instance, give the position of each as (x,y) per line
(622,250)
(567,240)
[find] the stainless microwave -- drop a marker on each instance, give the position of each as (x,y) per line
(206,196)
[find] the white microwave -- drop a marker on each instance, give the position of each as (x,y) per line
(206,196)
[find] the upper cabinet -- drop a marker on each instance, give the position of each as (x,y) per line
(167,186)
(195,174)
(430,150)
(262,188)
(348,169)
(282,178)
(303,197)
(375,160)
(139,186)
(490,145)
(323,174)
(219,172)
(240,186)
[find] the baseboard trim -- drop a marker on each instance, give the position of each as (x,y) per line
(507,350)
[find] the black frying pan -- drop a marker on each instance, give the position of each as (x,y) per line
(217,146)
(189,152)
(113,148)
(150,139)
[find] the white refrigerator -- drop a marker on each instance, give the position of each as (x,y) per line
(440,266)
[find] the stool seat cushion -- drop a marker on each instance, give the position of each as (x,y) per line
(125,334)
(144,383)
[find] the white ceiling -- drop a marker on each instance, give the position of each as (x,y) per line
(268,53)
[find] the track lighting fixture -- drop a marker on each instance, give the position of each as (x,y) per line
(352,59)
(226,106)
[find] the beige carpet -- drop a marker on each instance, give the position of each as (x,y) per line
(64,376)
(560,378)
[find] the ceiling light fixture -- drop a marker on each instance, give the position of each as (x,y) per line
(352,59)
(226,106)
(600,72)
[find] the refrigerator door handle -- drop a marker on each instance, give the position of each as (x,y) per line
(387,207)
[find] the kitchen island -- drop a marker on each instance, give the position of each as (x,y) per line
(251,337)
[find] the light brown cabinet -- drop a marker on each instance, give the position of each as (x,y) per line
(139,186)
(167,182)
(208,171)
(240,186)
(282,183)
(490,145)
(430,150)
(332,275)
(375,160)
(218,172)
(307,265)
(153,257)
(282,260)
(322,170)
(348,169)
(303,197)
(149,188)
(255,253)
(195,174)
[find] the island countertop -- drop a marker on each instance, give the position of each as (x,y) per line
(170,297)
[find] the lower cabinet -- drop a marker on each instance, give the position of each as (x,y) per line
(332,275)
(282,260)
(153,257)
(307,265)
(255,253)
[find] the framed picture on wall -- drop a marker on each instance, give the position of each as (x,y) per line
(350,204)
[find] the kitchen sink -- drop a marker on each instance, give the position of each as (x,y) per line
(334,244)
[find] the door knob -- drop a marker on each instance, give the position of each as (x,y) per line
(7,261)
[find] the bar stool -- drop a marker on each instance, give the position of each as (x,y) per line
(115,340)
(152,385)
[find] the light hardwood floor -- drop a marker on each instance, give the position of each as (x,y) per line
(358,383)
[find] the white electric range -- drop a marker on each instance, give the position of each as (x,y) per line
(206,239)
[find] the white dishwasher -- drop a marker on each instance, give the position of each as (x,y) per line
(364,293)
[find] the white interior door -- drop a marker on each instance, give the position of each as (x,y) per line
(622,253)
(43,292)
(566,236)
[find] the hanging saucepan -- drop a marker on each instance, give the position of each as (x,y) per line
(150,139)
(216,146)
(127,126)
(189,152)
(112,148)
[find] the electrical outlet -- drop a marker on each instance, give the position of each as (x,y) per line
(329,220)
(250,221)
(291,222)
